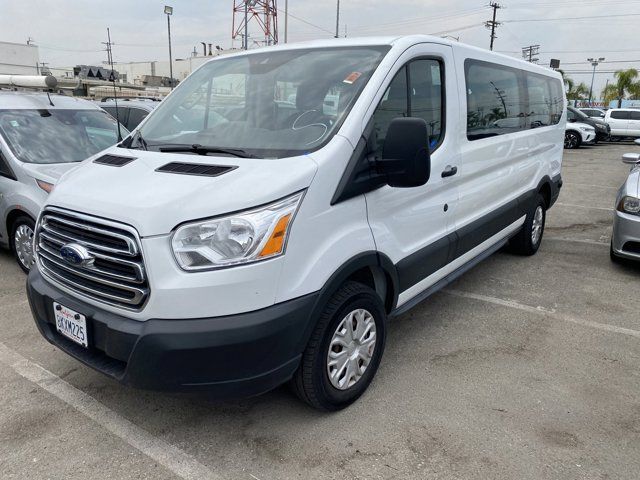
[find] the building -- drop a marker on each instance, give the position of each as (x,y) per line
(19,59)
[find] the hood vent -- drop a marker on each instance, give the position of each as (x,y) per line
(198,169)
(113,160)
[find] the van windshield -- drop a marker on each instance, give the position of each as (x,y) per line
(269,104)
(57,135)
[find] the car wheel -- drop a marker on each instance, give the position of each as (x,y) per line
(344,351)
(571,140)
(528,240)
(22,242)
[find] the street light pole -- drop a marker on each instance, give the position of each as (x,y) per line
(338,20)
(169,11)
(594,64)
(286,19)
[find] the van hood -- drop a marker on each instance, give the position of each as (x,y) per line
(156,202)
(50,172)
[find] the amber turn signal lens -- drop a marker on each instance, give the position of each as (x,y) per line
(275,244)
(46,186)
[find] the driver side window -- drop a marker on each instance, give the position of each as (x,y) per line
(417,91)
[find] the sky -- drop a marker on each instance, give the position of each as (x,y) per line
(70,32)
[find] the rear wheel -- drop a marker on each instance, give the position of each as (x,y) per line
(344,351)
(572,140)
(22,241)
(528,240)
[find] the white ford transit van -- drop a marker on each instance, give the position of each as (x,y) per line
(270,216)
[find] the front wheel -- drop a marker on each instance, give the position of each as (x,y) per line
(528,240)
(22,242)
(344,351)
(572,140)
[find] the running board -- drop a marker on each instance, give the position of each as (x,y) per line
(443,282)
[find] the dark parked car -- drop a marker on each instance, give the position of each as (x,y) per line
(131,111)
(603,130)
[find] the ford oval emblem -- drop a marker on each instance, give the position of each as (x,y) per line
(76,255)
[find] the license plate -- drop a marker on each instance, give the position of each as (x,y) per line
(72,325)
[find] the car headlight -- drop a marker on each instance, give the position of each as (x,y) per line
(240,238)
(587,129)
(629,205)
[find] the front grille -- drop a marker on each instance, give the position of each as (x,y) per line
(114,274)
(633,247)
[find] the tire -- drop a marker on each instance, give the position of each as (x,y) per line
(21,239)
(525,242)
(312,382)
(572,140)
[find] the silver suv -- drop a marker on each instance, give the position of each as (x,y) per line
(41,138)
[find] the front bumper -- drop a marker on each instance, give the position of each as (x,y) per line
(588,138)
(625,240)
(229,357)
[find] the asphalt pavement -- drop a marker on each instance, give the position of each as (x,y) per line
(525,368)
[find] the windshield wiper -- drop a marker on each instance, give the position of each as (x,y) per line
(204,150)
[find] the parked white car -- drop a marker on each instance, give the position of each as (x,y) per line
(274,245)
(41,138)
(578,134)
(624,122)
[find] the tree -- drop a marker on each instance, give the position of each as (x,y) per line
(574,92)
(625,84)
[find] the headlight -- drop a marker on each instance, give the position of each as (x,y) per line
(629,205)
(243,237)
(587,129)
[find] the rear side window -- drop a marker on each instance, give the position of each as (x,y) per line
(620,115)
(635,115)
(495,100)
(136,115)
(545,101)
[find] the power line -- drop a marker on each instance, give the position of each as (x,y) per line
(493,24)
(308,23)
(526,20)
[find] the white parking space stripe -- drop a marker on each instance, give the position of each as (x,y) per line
(590,185)
(177,461)
(584,206)
(545,313)
(577,240)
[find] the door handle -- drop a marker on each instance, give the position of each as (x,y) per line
(449,171)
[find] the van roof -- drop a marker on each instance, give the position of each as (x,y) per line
(400,42)
(30,100)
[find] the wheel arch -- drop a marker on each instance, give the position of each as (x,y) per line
(371,268)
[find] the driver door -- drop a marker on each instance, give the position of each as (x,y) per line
(412,226)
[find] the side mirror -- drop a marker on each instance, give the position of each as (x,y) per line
(571,120)
(406,161)
(637,141)
(631,158)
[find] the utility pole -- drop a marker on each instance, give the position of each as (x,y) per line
(338,20)
(112,77)
(493,24)
(168,10)
(286,20)
(529,53)
(594,63)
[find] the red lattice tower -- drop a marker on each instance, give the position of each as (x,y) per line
(263,13)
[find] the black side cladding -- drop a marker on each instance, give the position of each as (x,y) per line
(198,169)
(114,160)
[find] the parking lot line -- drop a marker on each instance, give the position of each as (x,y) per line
(545,312)
(177,461)
(577,240)
(590,185)
(588,207)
